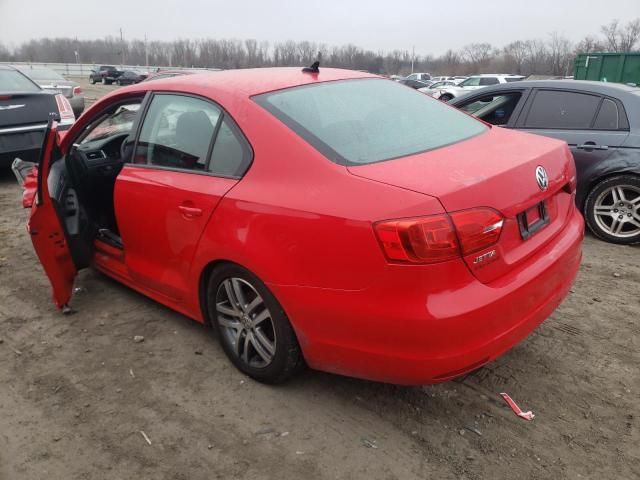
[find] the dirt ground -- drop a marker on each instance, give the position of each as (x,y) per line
(76,391)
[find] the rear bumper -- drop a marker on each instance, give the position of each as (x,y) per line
(402,333)
(24,145)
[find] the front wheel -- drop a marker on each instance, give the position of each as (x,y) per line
(612,209)
(253,329)
(445,97)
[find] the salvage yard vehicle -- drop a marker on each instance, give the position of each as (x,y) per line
(129,77)
(331,217)
(52,81)
(474,83)
(25,110)
(105,74)
(601,124)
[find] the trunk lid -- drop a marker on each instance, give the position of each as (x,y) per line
(496,170)
(26,109)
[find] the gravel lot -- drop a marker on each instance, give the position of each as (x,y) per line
(77,391)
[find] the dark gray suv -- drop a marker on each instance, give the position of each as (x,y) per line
(600,122)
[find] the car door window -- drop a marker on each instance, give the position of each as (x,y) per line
(177,132)
(564,110)
(608,118)
(488,81)
(495,109)
(231,154)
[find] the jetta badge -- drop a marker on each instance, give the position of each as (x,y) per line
(542,178)
(10,107)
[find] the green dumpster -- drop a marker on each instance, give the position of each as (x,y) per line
(608,67)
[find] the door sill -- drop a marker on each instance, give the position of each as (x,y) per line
(107,236)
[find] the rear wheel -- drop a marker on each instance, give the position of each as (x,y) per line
(252,326)
(612,209)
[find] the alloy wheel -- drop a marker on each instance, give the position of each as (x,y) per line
(245,322)
(617,211)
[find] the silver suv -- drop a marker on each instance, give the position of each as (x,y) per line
(473,83)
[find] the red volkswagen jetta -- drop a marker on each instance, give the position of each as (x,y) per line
(333,218)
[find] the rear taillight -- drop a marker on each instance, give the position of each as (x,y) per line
(77,91)
(64,108)
(438,238)
(477,229)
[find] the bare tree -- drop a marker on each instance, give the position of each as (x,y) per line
(515,55)
(478,54)
(589,44)
(621,38)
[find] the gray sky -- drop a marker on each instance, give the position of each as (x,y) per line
(432,26)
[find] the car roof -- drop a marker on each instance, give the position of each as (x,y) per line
(253,81)
(496,75)
(603,88)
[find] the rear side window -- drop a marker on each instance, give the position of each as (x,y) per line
(512,79)
(566,110)
(489,81)
(363,121)
(607,118)
(231,154)
(177,132)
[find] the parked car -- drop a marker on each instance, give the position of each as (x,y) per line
(434,88)
(296,211)
(454,79)
(106,74)
(52,81)
(162,74)
(418,76)
(601,124)
(415,84)
(473,83)
(25,110)
(129,77)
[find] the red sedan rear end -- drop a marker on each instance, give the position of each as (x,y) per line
(334,217)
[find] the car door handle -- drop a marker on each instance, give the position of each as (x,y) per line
(190,212)
(592,146)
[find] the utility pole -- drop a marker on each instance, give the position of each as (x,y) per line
(146,52)
(122,47)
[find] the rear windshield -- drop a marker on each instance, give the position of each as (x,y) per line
(355,122)
(42,74)
(13,81)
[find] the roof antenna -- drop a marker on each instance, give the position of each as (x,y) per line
(315,66)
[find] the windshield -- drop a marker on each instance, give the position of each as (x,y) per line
(470,82)
(356,122)
(42,74)
(118,122)
(13,81)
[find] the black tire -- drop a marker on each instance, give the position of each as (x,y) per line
(601,195)
(287,359)
(445,97)
(93,81)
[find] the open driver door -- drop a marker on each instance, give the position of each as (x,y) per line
(45,227)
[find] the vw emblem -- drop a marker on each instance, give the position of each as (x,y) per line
(541,177)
